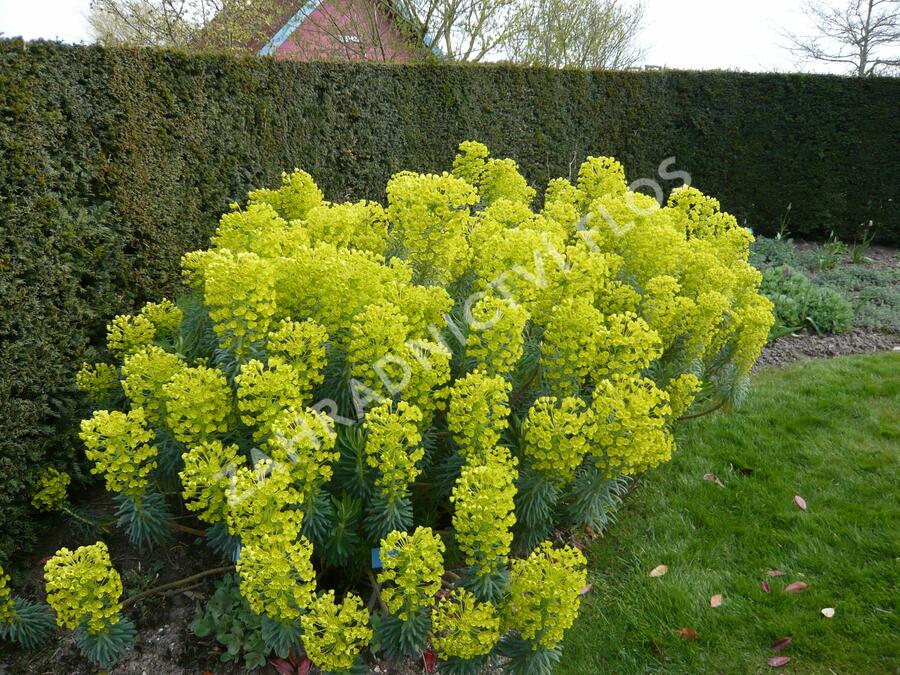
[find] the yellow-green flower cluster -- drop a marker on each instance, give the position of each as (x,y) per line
(83,588)
(625,344)
(7,608)
(165,316)
(126,334)
(52,493)
(97,380)
(463,627)
(681,391)
(495,340)
(413,565)
(119,445)
(377,341)
(494,178)
(630,417)
(206,479)
(600,176)
(302,344)
(335,634)
(239,291)
(302,442)
(259,230)
(485,511)
(293,200)
(753,322)
(554,435)
(568,343)
(545,593)
(361,225)
(144,374)
(429,364)
(277,577)
(479,408)
(198,403)
(394,446)
(263,506)
(430,217)
(265,390)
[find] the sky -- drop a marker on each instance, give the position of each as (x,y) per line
(688,34)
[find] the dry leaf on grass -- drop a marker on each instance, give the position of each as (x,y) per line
(799,501)
(765,586)
(716,600)
(778,661)
(796,587)
(713,478)
(782,643)
(659,570)
(688,634)
(828,612)
(586,589)
(775,573)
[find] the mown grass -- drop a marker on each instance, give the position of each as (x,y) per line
(828,431)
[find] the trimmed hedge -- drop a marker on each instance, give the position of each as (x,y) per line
(114,162)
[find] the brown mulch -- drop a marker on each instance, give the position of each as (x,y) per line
(801,347)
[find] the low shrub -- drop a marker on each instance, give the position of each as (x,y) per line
(800,304)
(414,403)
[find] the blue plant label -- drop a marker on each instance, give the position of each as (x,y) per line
(237,553)
(376,558)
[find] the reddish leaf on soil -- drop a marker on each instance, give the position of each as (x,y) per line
(305,665)
(799,501)
(688,634)
(586,589)
(430,661)
(713,478)
(765,586)
(796,587)
(659,570)
(782,643)
(716,600)
(775,573)
(828,612)
(778,661)
(282,666)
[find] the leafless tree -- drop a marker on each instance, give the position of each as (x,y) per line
(579,33)
(232,25)
(863,35)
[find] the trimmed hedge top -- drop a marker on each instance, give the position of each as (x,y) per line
(114,162)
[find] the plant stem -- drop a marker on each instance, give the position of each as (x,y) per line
(517,394)
(84,520)
(705,412)
(189,530)
(376,589)
(176,584)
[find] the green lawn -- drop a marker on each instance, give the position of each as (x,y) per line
(826,430)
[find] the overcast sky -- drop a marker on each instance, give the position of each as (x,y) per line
(733,34)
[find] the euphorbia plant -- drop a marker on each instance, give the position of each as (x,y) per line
(390,415)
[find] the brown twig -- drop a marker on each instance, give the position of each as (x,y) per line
(517,394)
(189,530)
(705,412)
(176,584)
(376,589)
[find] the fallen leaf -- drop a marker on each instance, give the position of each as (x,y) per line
(282,666)
(796,587)
(799,501)
(744,471)
(778,661)
(688,634)
(430,661)
(713,478)
(586,589)
(828,612)
(782,643)
(775,573)
(659,570)
(715,600)
(765,586)
(305,665)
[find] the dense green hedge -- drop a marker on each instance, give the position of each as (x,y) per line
(114,162)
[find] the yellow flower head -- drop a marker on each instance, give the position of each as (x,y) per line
(165,316)
(413,567)
(83,588)
(335,634)
(263,505)
(7,608)
(479,408)
(463,627)
(127,334)
(206,479)
(97,380)
(119,445)
(495,340)
(52,491)
(293,200)
(144,374)
(555,436)
(198,404)
(264,390)
(545,593)
(277,577)
(394,446)
(302,442)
